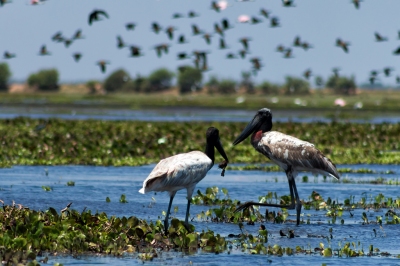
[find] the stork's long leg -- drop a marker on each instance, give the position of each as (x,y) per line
(298,202)
(169,209)
(187,213)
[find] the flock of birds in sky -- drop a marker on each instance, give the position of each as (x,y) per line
(220,30)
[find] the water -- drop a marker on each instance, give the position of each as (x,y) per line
(23,184)
(184,115)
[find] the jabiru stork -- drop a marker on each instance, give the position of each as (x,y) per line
(185,170)
(291,154)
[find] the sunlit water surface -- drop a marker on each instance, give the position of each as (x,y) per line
(23,185)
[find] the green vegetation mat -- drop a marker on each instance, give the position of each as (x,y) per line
(26,141)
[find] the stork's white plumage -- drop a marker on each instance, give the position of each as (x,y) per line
(291,154)
(184,170)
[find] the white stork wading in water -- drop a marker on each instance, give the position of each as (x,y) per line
(291,154)
(184,170)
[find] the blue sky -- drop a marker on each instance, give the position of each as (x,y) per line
(24,28)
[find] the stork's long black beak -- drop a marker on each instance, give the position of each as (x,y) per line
(249,129)
(220,149)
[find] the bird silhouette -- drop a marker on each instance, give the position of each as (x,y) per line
(245,42)
(344,45)
(102,64)
(288,53)
(163,47)
(182,39)
(231,56)
(120,42)
(215,6)
(222,44)
(135,51)
(196,30)
(288,3)
(398,79)
(8,55)
(130,26)
(96,15)
(177,15)
(356,3)
(156,27)
(280,48)
(67,42)
(264,12)
(274,22)
(297,41)
(243,53)
(218,29)
(306,46)
(289,153)
(184,170)
(193,14)
(307,74)
(44,51)
(78,35)
(225,24)
(256,63)
(387,71)
(183,55)
(77,56)
(255,20)
(397,51)
(380,38)
(170,32)
(207,37)
(57,37)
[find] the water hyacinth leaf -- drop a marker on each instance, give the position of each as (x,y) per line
(122,199)
(327,252)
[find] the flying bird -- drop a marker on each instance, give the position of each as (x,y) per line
(288,53)
(335,71)
(297,41)
(184,170)
(387,71)
(288,3)
(344,45)
(274,22)
(156,27)
(44,51)
(196,30)
(225,24)
(207,37)
(245,42)
(264,12)
(356,3)
(96,15)
(231,56)
(102,64)
(307,74)
(57,37)
(130,26)
(177,15)
(397,51)
(135,51)
(380,38)
(182,56)
(120,42)
(78,35)
(161,48)
(8,55)
(289,153)
(193,14)
(77,56)
(182,39)
(170,32)
(68,42)
(222,44)
(218,29)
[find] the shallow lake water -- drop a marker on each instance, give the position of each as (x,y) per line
(186,114)
(23,185)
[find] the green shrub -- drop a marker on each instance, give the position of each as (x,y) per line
(159,80)
(189,79)
(268,88)
(247,83)
(295,86)
(116,81)
(46,80)
(342,85)
(227,86)
(93,86)
(5,74)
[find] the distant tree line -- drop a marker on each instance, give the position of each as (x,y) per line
(188,80)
